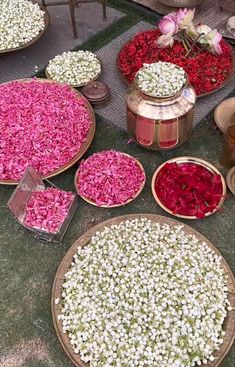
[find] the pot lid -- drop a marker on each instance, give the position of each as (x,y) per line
(96,91)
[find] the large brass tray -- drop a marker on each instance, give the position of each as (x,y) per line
(229,324)
(84,147)
(225,82)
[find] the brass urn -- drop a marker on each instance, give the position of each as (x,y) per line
(160,123)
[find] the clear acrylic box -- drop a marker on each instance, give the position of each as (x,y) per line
(30,183)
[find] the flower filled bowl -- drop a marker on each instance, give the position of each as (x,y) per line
(207,59)
(45,125)
(22,24)
(76,68)
(188,187)
(109,179)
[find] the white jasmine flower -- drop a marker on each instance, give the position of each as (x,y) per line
(20,22)
(75,68)
(161,79)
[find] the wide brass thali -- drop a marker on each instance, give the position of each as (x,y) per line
(229,324)
(84,147)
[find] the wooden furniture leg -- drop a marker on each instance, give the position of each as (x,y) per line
(72,4)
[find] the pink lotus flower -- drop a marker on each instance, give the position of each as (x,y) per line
(213,38)
(185,18)
(168,24)
(166,40)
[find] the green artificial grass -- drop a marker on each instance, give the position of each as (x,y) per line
(28,266)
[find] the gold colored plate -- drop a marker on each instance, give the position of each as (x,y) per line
(84,147)
(35,39)
(224,114)
(78,85)
(194,160)
(226,81)
(116,205)
(230,179)
(229,324)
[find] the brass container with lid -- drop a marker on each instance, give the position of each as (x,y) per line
(160,123)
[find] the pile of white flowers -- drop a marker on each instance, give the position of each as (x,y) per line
(144,294)
(74,68)
(161,79)
(20,22)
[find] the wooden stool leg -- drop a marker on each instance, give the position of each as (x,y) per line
(72,5)
(43,3)
(104,9)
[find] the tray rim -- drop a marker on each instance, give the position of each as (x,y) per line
(35,39)
(226,81)
(83,240)
(89,201)
(85,145)
(189,159)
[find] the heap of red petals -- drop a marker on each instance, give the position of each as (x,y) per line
(188,189)
(42,125)
(46,210)
(110,178)
(206,71)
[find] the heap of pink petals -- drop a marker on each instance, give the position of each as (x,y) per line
(110,178)
(42,125)
(46,210)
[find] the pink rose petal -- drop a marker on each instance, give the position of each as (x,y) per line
(42,125)
(46,210)
(110,178)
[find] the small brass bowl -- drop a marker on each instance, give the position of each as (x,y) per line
(193,160)
(224,114)
(89,201)
(75,85)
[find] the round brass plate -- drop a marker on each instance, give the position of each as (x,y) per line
(229,324)
(84,146)
(226,81)
(35,39)
(224,114)
(194,160)
(116,205)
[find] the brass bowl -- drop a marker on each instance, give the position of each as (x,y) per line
(77,85)
(84,147)
(181,3)
(89,201)
(194,160)
(35,39)
(224,114)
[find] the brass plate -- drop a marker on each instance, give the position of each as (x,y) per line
(230,179)
(78,85)
(226,81)
(224,114)
(116,205)
(85,145)
(229,324)
(35,39)
(194,160)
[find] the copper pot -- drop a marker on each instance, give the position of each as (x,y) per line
(160,123)
(181,3)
